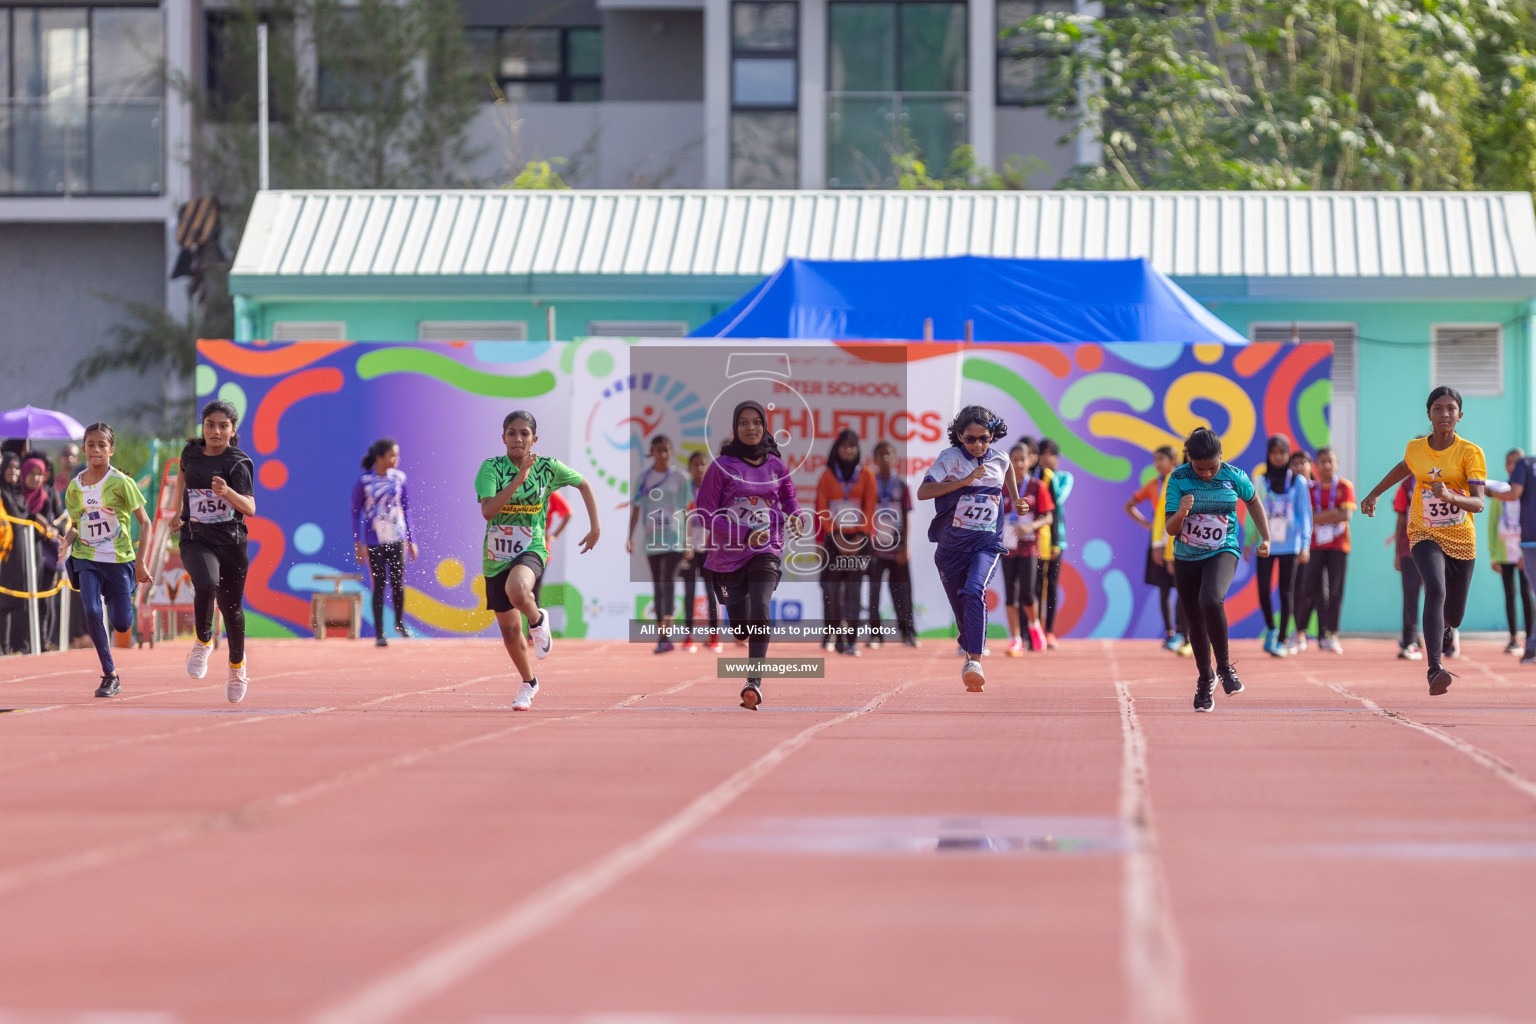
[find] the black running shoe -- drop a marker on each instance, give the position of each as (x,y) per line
(380,641)
(751,696)
(1439,681)
(1204,690)
(110,685)
(1230,684)
(1451,646)
(403,630)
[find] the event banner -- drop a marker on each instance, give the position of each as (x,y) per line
(310,410)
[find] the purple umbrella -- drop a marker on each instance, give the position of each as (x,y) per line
(40,424)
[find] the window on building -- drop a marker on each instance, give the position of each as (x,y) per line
(309,330)
(229,70)
(472,330)
(357,56)
(1345,377)
(637,329)
(540,65)
(1024,60)
(765,88)
(82,96)
(896,84)
(1468,357)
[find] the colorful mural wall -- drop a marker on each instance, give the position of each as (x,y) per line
(310,410)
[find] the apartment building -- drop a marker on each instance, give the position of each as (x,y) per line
(762,93)
(92,172)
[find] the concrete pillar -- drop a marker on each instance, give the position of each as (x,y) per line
(813,93)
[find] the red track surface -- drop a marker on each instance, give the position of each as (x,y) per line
(374,836)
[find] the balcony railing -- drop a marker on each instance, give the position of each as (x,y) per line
(76,147)
(866,131)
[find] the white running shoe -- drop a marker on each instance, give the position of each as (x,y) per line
(197,661)
(524,699)
(234,689)
(974,678)
(542,642)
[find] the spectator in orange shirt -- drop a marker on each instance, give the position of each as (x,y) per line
(846,498)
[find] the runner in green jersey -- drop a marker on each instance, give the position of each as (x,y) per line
(514,491)
(102,502)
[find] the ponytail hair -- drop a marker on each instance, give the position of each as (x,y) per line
(228,409)
(1204,443)
(377,450)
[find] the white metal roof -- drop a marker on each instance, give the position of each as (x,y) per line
(1401,235)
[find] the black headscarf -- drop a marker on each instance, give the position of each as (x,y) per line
(15,502)
(1278,477)
(738,449)
(844,468)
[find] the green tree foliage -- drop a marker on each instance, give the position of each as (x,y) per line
(1298,94)
(964,172)
(539,174)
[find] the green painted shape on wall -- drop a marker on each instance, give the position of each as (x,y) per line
(1088,458)
(1090,389)
(429,364)
(1312,409)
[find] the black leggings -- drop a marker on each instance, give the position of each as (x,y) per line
(1202,587)
(841,581)
(899,576)
(1021,575)
(1411,587)
(1446,583)
(1049,588)
(747,595)
(692,570)
(1513,578)
(217,572)
(664,579)
(1321,590)
(386,564)
(1265,574)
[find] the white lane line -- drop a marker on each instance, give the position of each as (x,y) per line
(1153,956)
(456,957)
(1497,765)
(247,814)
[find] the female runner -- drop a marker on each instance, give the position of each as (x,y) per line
(102,501)
(747,500)
(215,491)
(1449,474)
(513,490)
(967,483)
(1202,517)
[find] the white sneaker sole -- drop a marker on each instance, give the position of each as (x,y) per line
(974,680)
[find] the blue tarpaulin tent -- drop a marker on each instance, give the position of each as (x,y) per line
(1006,300)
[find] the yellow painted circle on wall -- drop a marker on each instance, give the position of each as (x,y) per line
(450,572)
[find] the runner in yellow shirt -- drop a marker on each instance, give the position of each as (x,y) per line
(1449,474)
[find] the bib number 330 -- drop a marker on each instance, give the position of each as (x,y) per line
(1439,513)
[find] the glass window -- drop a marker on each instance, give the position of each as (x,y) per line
(764,149)
(584,52)
(933,48)
(764,27)
(863,47)
(127,47)
(763,81)
(230,66)
(541,65)
(1024,60)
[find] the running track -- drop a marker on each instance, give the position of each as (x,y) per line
(373,836)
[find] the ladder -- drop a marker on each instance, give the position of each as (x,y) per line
(171,592)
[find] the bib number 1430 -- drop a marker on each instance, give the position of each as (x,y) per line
(1207,532)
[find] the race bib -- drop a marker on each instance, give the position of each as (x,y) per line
(1204,531)
(388,527)
(976,512)
(1279,513)
(698,533)
(208,507)
(845,512)
(1509,526)
(753,513)
(98,531)
(1439,513)
(888,526)
(504,543)
(1327,533)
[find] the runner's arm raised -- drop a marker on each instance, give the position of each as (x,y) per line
(1395,476)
